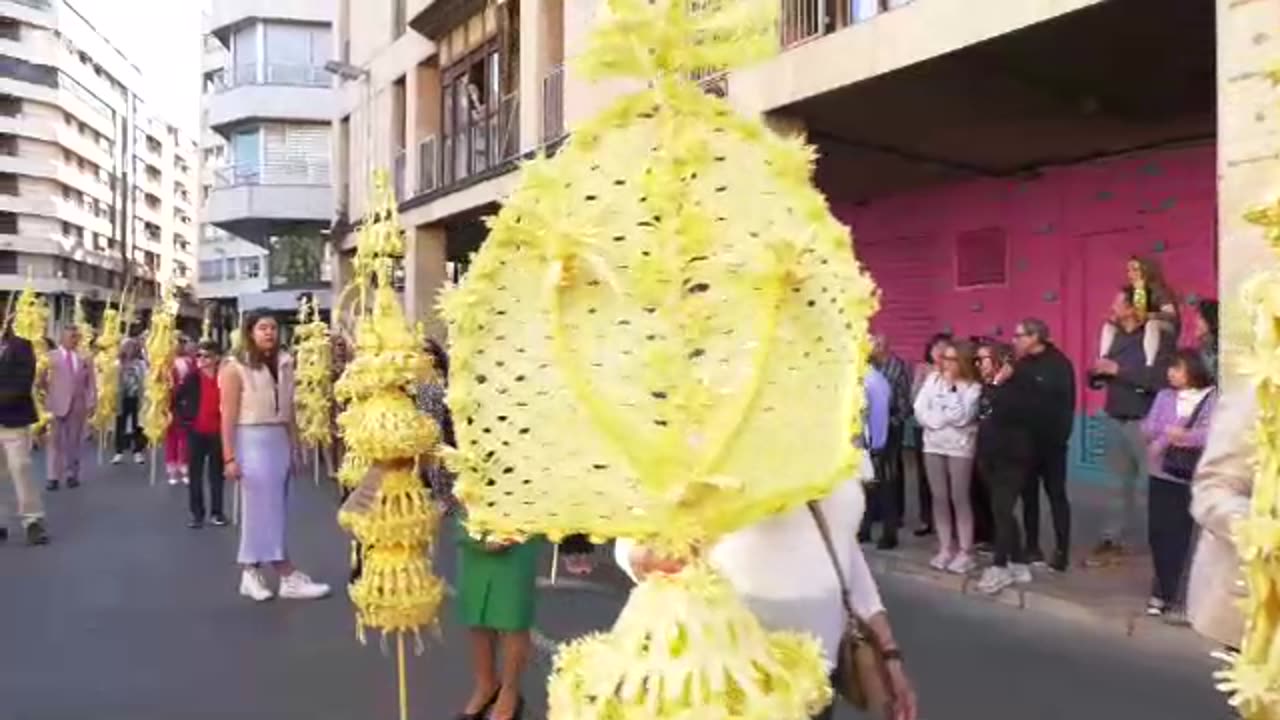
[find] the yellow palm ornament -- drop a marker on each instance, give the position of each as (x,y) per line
(106,366)
(1252,677)
(162,350)
(389,514)
(663,337)
(31,322)
(313,399)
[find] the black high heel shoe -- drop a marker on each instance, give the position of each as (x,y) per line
(482,713)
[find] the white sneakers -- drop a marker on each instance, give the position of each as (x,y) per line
(297,586)
(294,586)
(253,586)
(117,459)
(941,561)
(995,579)
(961,564)
(139,458)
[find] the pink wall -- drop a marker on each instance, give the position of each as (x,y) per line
(1068,235)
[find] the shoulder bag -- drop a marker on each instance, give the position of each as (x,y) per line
(861,676)
(1180,462)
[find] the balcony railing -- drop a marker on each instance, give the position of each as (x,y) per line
(553,105)
(490,141)
(274,74)
(805,20)
(275,173)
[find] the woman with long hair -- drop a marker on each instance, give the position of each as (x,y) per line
(496,583)
(1156,303)
(259,450)
(947,409)
(913,436)
(1175,429)
(1207,335)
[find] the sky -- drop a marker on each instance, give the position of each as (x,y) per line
(163,38)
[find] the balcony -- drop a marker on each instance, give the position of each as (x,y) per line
(247,199)
(226,14)
(272,92)
(805,20)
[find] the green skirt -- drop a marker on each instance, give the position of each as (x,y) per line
(496,590)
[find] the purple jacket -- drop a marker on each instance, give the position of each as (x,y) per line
(1163,417)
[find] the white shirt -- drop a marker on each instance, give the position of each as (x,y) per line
(783,572)
(948,412)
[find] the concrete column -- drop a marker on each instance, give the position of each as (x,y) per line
(533,67)
(1248,151)
(424,276)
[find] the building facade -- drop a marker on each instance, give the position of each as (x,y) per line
(96,192)
(994,161)
(268,108)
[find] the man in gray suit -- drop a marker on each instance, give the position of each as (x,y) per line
(72,393)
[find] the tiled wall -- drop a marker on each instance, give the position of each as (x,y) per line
(1067,236)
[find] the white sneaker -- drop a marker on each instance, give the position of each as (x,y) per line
(253,586)
(962,564)
(297,586)
(117,459)
(139,458)
(941,561)
(173,481)
(1021,573)
(994,579)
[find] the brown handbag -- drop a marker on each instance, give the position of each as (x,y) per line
(862,675)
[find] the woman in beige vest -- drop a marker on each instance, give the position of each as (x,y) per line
(1220,495)
(259,450)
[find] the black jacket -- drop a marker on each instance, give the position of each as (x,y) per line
(1006,414)
(186,401)
(1051,382)
(17,375)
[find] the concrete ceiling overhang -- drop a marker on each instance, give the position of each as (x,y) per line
(1115,77)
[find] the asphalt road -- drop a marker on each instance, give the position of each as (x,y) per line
(129,615)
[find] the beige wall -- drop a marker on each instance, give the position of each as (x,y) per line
(1248,150)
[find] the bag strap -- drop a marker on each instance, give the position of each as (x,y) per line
(1195,414)
(824,530)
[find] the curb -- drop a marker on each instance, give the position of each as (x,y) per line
(1130,622)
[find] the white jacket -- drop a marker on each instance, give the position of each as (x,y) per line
(948,412)
(782,570)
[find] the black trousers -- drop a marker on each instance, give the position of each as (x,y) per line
(984,529)
(202,449)
(1048,469)
(922,481)
(1169,531)
(885,495)
(128,418)
(1006,479)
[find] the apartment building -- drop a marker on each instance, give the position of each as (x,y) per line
(95,191)
(268,108)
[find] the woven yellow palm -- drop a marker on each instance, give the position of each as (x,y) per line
(389,513)
(106,367)
(162,350)
(663,337)
(1252,677)
(313,398)
(30,322)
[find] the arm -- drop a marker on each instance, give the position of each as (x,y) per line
(964,411)
(229,406)
(928,419)
(91,385)
(1224,480)
(1156,424)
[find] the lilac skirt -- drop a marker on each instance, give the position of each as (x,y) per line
(264,454)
